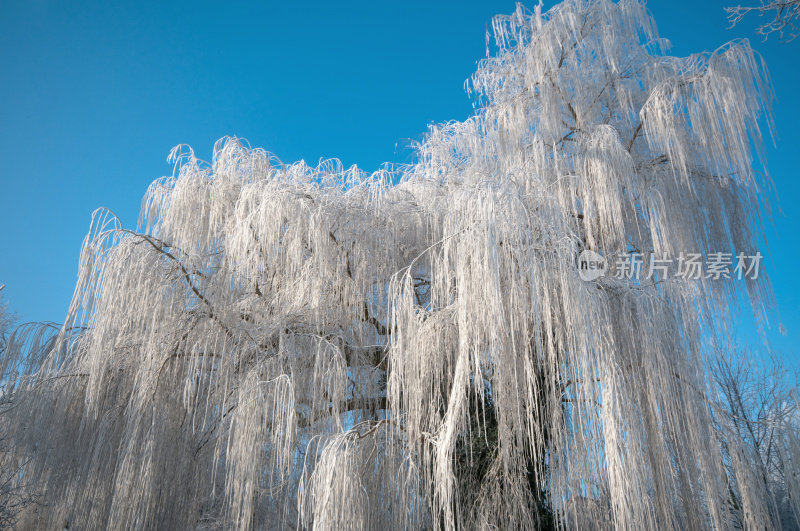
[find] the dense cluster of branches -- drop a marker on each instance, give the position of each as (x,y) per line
(16,495)
(287,345)
(755,400)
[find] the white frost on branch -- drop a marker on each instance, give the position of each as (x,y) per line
(784,13)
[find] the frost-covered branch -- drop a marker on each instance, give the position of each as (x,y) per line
(782,16)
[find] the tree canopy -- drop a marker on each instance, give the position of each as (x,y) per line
(313,346)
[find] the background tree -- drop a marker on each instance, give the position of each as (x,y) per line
(285,345)
(6,320)
(7,503)
(15,494)
(782,17)
(758,405)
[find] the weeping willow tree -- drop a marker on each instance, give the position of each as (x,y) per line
(281,345)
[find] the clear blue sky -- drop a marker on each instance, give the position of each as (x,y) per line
(94,95)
